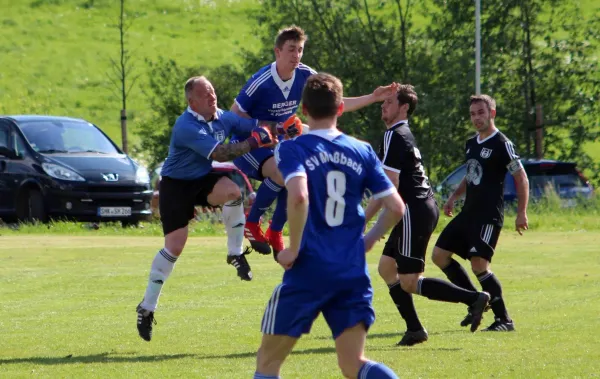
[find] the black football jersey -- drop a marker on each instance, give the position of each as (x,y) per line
(488,160)
(398,152)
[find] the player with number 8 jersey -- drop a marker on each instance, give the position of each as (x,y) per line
(326,174)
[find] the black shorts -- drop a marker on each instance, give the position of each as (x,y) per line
(409,239)
(469,239)
(177,199)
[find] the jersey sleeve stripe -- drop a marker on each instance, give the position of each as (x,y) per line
(391,169)
(510,149)
(293,175)
(306,68)
(387,138)
(260,80)
(385,193)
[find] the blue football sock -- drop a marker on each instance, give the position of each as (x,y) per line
(374,370)
(266,194)
(280,214)
(261,376)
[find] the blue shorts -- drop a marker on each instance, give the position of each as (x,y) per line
(251,163)
(292,310)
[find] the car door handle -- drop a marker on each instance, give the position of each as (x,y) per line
(2,165)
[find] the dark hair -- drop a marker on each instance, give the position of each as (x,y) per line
(322,95)
(488,100)
(408,95)
(291,33)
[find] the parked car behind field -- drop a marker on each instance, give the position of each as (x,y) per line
(234,173)
(563,177)
(67,168)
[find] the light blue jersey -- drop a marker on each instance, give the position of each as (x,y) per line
(193,140)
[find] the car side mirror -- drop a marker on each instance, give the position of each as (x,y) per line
(8,153)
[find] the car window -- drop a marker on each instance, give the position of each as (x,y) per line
(4,134)
(455,178)
(66,136)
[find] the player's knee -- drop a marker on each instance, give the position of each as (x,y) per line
(440,258)
(409,282)
(479,265)
(388,270)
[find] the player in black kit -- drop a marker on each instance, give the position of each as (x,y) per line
(403,261)
(474,232)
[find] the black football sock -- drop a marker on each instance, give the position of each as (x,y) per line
(406,307)
(436,289)
(491,285)
(458,275)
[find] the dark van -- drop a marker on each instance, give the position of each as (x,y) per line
(67,168)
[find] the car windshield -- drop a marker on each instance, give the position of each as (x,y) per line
(58,136)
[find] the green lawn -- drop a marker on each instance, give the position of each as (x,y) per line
(55,54)
(68,311)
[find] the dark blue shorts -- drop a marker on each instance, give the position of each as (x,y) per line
(292,310)
(251,163)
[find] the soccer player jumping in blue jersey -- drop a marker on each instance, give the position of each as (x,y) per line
(326,174)
(187,180)
(274,94)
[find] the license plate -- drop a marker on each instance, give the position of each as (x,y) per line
(114,211)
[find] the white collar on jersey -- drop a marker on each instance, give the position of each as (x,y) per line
(200,118)
(328,134)
(486,138)
(285,87)
(399,122)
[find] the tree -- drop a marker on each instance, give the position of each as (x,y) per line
(121,73)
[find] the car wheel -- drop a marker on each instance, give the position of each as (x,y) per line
(31,207)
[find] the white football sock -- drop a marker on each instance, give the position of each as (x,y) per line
(234,220)
(162,266)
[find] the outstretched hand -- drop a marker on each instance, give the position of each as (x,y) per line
(382,92)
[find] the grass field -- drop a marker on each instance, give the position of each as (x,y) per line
(68,311)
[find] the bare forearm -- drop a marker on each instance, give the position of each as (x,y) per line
(522,195)
(297,214)
(230,151)
(385,221)
(372,209)
(355,103)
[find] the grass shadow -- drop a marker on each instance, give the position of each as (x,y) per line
(95,358)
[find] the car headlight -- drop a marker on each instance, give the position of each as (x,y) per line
(61,172)
(142,176)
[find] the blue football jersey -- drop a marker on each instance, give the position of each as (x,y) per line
(193,140)
(267,97)
(338,169)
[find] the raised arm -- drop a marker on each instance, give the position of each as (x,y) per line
(381,93)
